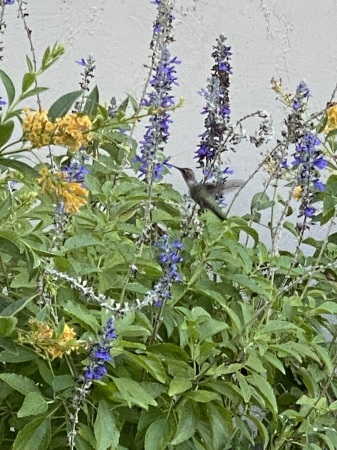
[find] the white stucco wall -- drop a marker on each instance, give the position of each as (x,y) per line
(291,39)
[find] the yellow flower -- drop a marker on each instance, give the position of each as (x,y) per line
(72,194)
(42,337)
(73,131)
(332,119)
(297,193)
(38,128)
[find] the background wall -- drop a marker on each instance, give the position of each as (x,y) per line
(287,39)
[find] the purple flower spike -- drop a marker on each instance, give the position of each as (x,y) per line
(100,352)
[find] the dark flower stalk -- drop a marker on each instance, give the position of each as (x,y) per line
(217,109)
(152,159)
(89,66)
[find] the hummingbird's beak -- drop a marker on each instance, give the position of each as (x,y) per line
(175,167)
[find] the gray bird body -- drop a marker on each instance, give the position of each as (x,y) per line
(204,194)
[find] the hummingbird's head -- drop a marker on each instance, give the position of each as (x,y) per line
(187,174)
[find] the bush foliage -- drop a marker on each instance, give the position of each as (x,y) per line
(127,322)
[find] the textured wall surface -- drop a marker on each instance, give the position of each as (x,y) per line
(287,39)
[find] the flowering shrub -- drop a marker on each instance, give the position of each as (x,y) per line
(130,320)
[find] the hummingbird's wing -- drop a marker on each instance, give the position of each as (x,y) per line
(223,188)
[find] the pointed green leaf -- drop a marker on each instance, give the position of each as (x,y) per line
(34,91)
(158,435)
(63,104)
(34,436)
(19,166)
(6,130)
(33,405)
(19,383)
(91,104)
(265,390)
(9,86)
(203,396)
(187,424)
(179,385)
(79,241)
(7,325)
(27,81)
(105,429)
(133,393)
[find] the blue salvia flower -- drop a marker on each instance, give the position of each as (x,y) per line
(9,2)
(309,160)
(75,172)
(217,109)
(2,103)
(301,96)
(168,258)
(100,352)
(151,159)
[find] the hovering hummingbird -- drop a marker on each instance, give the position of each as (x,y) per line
(204,194)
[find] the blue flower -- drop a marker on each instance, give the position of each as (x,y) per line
(2,102)
(100,352)
(168,257)
(151,160)
(9,2)
(75,172)
(308,160)
(82,62)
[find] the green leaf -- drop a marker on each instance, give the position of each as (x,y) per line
(33,405)
(34,91)
(265,390)
(179,385)
(9,86)
(203,396)
(105,429)
(91,104)
(62,382)
(275,326)
(63,104)
(27,80)
(82,240)
(187,424)
(34,436)
(158,435)
(245,389)
(6,130)
(152,364)
(19,166)
(7,325)
(133,393)
(221,423)
(80,313)
(254,284)
(19,383)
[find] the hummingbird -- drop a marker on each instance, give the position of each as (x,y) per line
(204,194)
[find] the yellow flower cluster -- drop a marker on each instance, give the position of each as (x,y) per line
(72,194)
(332,119)
(297,192)
(42,337)
(38,128)
(72,130)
